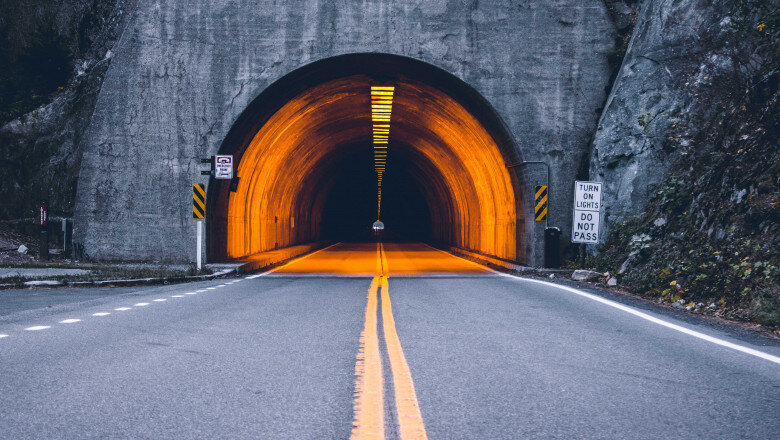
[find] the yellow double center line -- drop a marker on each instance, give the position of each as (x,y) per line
(369,405)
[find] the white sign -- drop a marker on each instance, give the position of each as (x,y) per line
(587,209)
(223,166)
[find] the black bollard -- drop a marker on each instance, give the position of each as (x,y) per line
(552,248)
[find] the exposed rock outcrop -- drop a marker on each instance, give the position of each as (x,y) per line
(41,149)
(687,151)
(676,49)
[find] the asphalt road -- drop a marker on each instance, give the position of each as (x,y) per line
(476,354)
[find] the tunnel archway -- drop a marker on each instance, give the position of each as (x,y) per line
(303,153)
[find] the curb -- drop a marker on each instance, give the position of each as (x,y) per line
(128,282)
(244,267)
(497,263)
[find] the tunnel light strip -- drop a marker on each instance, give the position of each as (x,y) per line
(381,110)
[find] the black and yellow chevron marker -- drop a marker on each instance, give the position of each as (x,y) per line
(198,200)
(540,211)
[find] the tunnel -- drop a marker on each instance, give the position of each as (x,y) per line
(305,164)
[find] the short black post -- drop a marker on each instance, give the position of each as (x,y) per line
(552,248)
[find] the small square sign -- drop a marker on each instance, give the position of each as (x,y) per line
(223,166)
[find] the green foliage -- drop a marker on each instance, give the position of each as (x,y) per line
(645,120)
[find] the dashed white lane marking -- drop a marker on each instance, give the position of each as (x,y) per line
(653,319)
(122,309)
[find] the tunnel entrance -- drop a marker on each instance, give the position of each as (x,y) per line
(305,163)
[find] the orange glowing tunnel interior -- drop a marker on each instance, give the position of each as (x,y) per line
(305,164)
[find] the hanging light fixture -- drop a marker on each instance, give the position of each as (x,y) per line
(381,110)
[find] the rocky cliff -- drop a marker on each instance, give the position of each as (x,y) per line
(687,149)
(53,56)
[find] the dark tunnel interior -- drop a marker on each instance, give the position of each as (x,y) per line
(349,208)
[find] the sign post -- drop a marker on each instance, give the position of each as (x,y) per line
(198,213)
(587,210)
(43,221)
(198,247)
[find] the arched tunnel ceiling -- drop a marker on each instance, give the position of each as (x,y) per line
(288,167)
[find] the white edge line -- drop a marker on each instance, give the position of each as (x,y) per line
(635,312)
(251,277)
(3,336)
(653,319)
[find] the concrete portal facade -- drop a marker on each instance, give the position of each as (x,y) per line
(183,71)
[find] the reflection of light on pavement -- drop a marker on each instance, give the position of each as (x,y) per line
(359,259)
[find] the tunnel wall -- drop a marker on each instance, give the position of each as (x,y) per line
(455,147)
(183,71)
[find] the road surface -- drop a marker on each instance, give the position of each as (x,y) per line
(398,341)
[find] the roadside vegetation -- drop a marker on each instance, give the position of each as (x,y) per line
(103,272)
(12,236)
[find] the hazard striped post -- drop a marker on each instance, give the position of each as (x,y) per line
(198,213)
(540,198)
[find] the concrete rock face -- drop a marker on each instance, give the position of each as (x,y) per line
(184,70)
(674,50)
